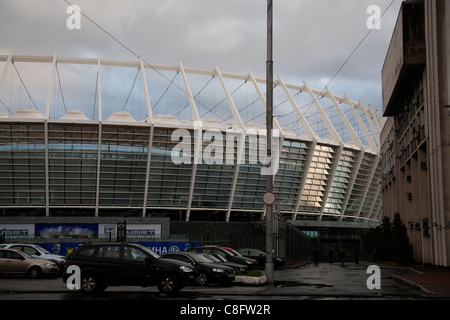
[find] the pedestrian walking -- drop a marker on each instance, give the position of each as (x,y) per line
(356,255)
(342,257)
(316,257)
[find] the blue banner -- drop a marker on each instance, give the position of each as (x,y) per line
(66,248)
(66,230)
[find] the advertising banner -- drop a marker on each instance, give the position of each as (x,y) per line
(17,231)
(66,230)
(133,231)
(159,247)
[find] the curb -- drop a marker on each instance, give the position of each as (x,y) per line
(250,281)
(297,265)
(413,284)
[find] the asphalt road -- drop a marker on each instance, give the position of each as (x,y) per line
(308,282)
(326,290)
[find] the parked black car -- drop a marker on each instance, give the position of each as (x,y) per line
(260,256)
(252,264)
(117,264)
(238,268)
(208,271)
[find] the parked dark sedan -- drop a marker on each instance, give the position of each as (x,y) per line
(208,271)
(129,264)
(260,256)
(238,268)
(252,264)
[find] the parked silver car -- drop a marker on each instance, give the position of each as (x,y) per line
(37,251)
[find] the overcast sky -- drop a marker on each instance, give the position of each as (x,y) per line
(312,38)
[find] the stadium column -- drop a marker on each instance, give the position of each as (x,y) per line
(5,71)
(150,140)
(197,138)
(311,145)
(351,183)
(47,117)
(99,150)
(231,104)
(262,98)
(366,134)
(147,169)
(368,182)
(351,132)
(308,131)
(309,157)
(323,115)
(372,209)
(336,138)
(241,135)
(373,126)
(348,126)
(332,173)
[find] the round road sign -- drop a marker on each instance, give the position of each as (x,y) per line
(268,198)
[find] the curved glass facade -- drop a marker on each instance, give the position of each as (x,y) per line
(56,168)
(55,164)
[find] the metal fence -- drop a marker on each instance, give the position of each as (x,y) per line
(289,241)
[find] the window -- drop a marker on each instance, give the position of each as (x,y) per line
(87,252)
(112,252)
(253,253)
(180,257)
(12,255)
(134,254)
(220,253)
(31,251)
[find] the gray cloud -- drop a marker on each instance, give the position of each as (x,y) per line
(312,38)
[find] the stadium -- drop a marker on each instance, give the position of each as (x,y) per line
(109,151)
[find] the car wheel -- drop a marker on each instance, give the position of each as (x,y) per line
(203,278)
(168,284)
(90,283)
(35,272)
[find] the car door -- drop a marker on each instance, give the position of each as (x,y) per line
(2,261)
(138,266)
(14,262)
(110,264)
(258,256)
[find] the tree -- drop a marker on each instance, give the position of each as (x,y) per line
(390,240)
(385,240)
(402,250)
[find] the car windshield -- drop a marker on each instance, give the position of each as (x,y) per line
(200,258)
(148,251)
(222,259)
(234,252)
(212,258)
(26,255)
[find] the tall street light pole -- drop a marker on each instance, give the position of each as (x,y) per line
(269,268)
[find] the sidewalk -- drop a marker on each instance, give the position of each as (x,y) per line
(429,279)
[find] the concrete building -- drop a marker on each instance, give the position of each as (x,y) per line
(415,140)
